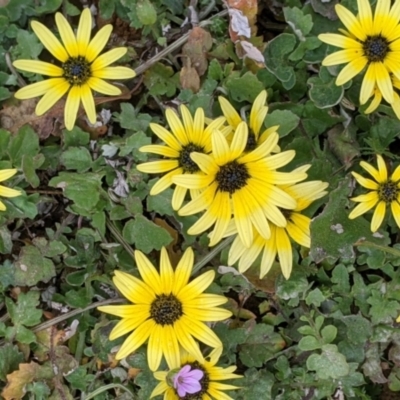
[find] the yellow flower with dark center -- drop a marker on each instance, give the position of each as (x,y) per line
(297,229)
(239,185)
(256,120)
(385,192)
(168,310)
(82,69)
(190,135)
(377,99)
(211,388)
(371,41)
(5,191)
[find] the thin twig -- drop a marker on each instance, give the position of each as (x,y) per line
(20,80)
(174,46)
(217,249)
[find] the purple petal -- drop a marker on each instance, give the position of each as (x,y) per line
(195,374)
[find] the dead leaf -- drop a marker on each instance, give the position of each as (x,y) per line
(195,50)
(239,23)
(17,380)
(189,79)
(248,9)
(252,52)
(174,256)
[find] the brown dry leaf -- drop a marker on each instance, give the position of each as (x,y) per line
(189,79)
(17,380)
(249,9)
(195,50)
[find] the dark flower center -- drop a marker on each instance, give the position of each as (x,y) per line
(76,70)
(251,142)
(376,48)
(185,161)
(204,382)
(388,191)
(232,176)
(166,309)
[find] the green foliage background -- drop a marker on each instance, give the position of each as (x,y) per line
(327,331)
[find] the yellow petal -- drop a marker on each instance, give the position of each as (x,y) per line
(67,35)
(98,42)
(351,23)
(351,70)
(84,30)
(88,103)
(108,58)
(52,96)
(368,83)
(114,73)
(229,112)
(384,82)
(183,271)
(38,67)
(8,192)
(7,174)
(148,273)
(48,39)
(72,106)
(37,89)
(98,85)
(378,216)
(176,126)
(136,339)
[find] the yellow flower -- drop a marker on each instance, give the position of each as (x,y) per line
(239,185)
(5,191)
(210,387)
(377,98)
(184,139)
(385,191)
(257,116)
(82,69)
(371,41)
(167,310)
(297,228)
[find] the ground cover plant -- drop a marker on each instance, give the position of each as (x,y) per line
(199,199)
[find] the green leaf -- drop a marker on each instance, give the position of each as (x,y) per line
(340,276)
(146,12)
(161,203)
(158,80)
(84,190)
(24,143)
(176,6)
(24,313)
(137,140)
(77,158)
(261,344)
(107,8)
(333,234)
(330,364)
(145,234)
(77,137)
(215,70)
(287,121)
(276,61)
(315,297)
(5,240)
(28,46)
(309,343)
(10,358)
(48,6)
(31,267)
(129,118)
(245,88)
(358,330)
(300,23)
(329,333)
(29,165)
(257,384)
(323,90)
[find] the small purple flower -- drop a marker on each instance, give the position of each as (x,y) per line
(187,381)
